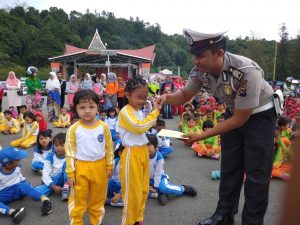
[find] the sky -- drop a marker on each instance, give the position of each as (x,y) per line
(260,18)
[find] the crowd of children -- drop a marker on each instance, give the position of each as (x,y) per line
(111,154)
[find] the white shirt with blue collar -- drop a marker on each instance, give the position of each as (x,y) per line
(10,179)
(156,168)
(53,166)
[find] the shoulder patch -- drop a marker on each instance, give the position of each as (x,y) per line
(193,72)
(236,73)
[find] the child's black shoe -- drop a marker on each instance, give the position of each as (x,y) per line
(18,215)
(163,200)
(46,207)
(188,190)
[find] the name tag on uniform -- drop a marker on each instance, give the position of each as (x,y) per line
(236,73)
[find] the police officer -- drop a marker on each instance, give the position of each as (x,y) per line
(247,134)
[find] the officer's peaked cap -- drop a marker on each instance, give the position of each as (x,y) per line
(199,42)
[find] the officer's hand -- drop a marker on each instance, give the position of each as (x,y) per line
(161,100)
(192,137)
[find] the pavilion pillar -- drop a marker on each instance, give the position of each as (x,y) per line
(140,68)
(65,71)
(75,68)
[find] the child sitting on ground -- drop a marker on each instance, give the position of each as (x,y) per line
(63,119)
(164,143)
(13,186)
(41,150)
(30,131)
(39,117)
(209,115)
(281,163)
(114,195)
(191,126)
(187,112)
(208,147)
(198,120)
(10,125)
(1,119)
(23,109)
(284,125)
(159,181)
(54,176)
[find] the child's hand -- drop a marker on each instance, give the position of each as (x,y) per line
(116,197)
(156,105)
(109,173)
(71,182)
(56,189)
(152,189)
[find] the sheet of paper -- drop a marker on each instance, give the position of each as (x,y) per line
(171,134)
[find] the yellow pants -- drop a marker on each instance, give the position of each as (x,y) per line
(59,124)
(89,192)
(2,127)
(14,130)
(27,143)
(134,175)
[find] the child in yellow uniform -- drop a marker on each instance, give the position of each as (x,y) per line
(11,125)
(89,159)
(23,109)
(30,131)
(134,162)
(63,120)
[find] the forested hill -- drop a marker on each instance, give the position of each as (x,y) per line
(29,36)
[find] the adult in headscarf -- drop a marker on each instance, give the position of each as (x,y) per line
(63,85)
(34,101)
(103,80)
(111,90)
(13,84)
(87,83)
(53,100)
(71,89)
(167,87)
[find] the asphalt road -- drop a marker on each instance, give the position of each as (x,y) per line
(182,166)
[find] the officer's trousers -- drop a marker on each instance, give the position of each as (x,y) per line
(249,150)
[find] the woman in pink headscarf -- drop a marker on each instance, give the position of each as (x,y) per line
(13,84)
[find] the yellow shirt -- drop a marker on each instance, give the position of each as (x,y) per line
(1,117)
(64,119)
(13,123)
(30,130)
(87,143)
(132,126)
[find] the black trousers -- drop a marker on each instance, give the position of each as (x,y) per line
(62,100)
(249,150)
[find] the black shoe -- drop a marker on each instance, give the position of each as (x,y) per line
(46,207)
(18,215)
(217,219)
(163,200)
(188,190)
